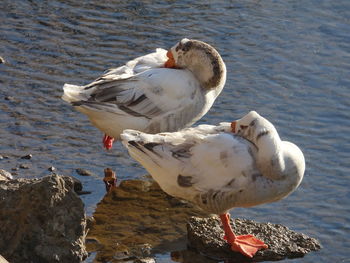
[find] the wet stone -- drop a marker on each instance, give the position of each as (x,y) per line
(205,235)
(142,220)
(51,169)
(28,156)
(24,166)
(83,172)
(77,185)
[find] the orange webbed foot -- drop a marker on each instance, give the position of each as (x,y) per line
(247,245)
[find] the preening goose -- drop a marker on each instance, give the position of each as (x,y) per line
(238,164)
(160,92)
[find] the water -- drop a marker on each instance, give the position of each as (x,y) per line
(288,60)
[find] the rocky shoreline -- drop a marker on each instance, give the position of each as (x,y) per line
(43,220)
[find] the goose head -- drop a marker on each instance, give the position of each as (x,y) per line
(276,159)
(254,128)
(201,59)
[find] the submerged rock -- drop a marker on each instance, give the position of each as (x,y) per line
(206,236)
(135,220)
(83,172)
(41,220)
(24,166)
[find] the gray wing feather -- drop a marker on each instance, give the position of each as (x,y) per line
(116,92)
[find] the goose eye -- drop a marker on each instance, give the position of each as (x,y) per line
(243,127)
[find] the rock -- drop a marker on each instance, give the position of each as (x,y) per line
(24,166)
(139,217)
(14,169)
(83,172)
(206,236)
(10,98)
(78,186)
(28,156)
(5,175)
(41,220)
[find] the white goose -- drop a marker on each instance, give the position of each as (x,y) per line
(161,91)
(238,164)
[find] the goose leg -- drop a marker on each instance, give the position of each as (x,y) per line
(107,141)
(247,245)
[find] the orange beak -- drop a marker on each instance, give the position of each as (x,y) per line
(233,126)
(170,63)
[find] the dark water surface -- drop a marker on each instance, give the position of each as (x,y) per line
(288,60)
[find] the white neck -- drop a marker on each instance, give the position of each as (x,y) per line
(270,159)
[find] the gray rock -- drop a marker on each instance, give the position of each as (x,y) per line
(206,236)
(83,172)
(24,166)
(41,220)
(78,186)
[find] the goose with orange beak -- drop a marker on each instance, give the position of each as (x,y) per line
(238,164)
(158,92)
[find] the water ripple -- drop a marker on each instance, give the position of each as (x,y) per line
(289,60)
